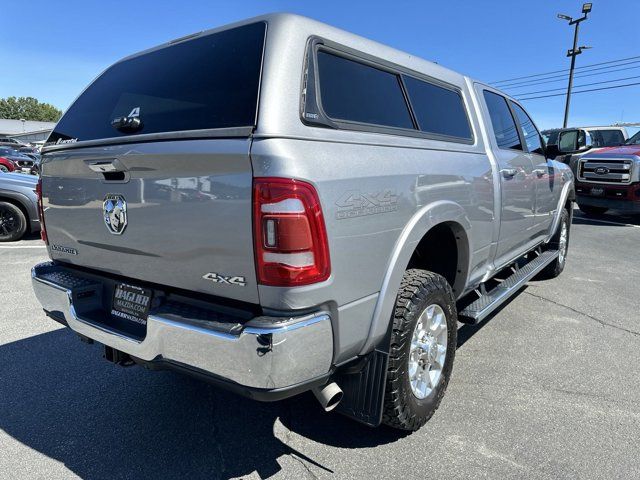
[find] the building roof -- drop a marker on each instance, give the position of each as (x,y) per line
(16,127)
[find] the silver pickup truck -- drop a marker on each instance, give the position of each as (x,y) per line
(279,206)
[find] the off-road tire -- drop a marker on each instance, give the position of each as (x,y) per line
(4,169)
(556,267)
(591,210)
(418,290)
(17,222)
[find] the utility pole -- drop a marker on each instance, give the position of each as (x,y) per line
(573,53)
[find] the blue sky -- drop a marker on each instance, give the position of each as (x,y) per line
(54,49)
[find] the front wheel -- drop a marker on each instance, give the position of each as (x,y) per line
(423,346)
(4,169)
(591,210)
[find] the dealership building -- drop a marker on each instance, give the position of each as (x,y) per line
(25,131)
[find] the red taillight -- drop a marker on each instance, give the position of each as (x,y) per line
(43,230)
(289,233)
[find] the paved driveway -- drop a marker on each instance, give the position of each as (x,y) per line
(549,387)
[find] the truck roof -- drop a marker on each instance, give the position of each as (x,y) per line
(286,45)
(302,26)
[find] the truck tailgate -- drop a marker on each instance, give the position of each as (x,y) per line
(188,213)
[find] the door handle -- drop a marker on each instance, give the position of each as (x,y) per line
(509,172)
(106,166)
(540,172)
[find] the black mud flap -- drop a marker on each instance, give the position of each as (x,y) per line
(363,387)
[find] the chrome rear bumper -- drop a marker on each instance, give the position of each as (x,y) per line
(267,353)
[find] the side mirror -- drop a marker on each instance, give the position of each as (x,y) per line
(574,140)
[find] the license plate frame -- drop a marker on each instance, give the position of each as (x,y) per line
(131,303)
(597,191)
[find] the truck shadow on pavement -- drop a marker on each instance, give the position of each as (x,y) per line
(60,398)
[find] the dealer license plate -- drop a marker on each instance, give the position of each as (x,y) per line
(131,303)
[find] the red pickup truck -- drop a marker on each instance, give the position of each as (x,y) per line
(609,178)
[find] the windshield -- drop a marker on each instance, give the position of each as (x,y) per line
(210,81)
(635,140)
(606,138)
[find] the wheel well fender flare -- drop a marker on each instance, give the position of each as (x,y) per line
(21,201)
(568,193)
(418,226)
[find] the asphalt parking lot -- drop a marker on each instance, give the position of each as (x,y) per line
(546,388)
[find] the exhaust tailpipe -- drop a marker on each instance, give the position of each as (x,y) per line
(329,396)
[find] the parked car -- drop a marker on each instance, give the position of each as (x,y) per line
(21,162)
(587,139)
(18,206)
(10,142)
(30,152)
(34,155)
(607,178)
(597,137)
(360,202)
(7,165)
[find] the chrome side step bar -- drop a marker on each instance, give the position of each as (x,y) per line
(490,300)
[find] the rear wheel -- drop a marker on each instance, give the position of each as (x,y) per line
(13,223)
(423,346)
(591,210)
(4,168)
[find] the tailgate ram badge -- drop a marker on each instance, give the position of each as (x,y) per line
(114,211)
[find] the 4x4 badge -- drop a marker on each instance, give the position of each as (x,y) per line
(229,280)
(114,213)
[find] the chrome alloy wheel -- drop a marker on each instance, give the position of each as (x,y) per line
(562,242)
(428,351)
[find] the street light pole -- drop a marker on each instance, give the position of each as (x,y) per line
(573,53)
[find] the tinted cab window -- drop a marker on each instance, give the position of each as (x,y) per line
(438,110)
(208,82)
(504,126)
(354,92)
(529,131)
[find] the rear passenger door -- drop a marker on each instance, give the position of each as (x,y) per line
(544,173)
(517,188)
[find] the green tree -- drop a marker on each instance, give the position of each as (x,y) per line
(28,108)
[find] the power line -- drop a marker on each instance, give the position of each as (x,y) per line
(563,70)
(610,68)
(580,75)
(581,91)
(583,85)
